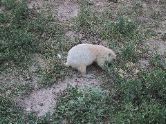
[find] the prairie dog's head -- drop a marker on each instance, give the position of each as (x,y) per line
(111,55)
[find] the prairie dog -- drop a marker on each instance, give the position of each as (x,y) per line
(82,55)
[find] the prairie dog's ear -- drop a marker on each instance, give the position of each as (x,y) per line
(109,54)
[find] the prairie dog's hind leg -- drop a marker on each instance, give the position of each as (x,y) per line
(82,69)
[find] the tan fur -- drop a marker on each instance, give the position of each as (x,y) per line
(82,55)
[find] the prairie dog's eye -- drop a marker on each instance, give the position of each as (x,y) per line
(109,54)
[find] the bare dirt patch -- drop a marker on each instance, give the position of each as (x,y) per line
(35,4)
(100,5)
(63,10)
(44,100)
(41,101)
(38,62)
(73,35)
(143,63)
(17,81)
(68,10)
(156,46)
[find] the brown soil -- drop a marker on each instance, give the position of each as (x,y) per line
(44,100)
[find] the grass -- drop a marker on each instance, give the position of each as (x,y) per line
(136,95)
(22,32)
(17,43)
(122,27)
(11,113)
(121,32)
(90,22)
(145,96)
(158,61)
(129,52)
(138,98)
(133,101)
(86,105)
(25,32)
(141,100)
(57,72)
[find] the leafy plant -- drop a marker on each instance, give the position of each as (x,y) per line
(87,21)
(158,61)
(129,52)
(87,105)
(120,28)
(9,4)
(140,100)
(147,113)
(11,113)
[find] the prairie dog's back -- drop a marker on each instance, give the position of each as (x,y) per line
(101,50)
(81,54)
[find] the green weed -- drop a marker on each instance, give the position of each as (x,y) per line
(121,28)
(158,61)
(129,53)
(16,42)
(9,4)
(87,105)
(133,101)
(147,113)
(87,22)
(145,96)
(11,113)
(23,34)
